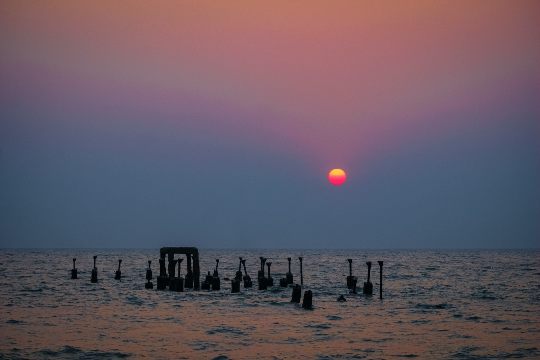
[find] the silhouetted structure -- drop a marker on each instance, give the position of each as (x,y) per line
(269,280)
(189,274)
(207,281)
(162,279)
(289,275)
(247,279)
(307,303)
(263,283)
(118,273)
(235,285)
(94,277)
(368,286)
(74,270)
(296,294)
(177,283)
(192,252)
(149,284)
(301,272)
(351,279)
(288,279)
(216,282)
(341,298)
(238,275)
(380,278)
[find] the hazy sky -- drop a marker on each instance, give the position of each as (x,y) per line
(213,124)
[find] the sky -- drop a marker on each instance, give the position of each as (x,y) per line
(214,124)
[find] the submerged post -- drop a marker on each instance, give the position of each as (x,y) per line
(216,282)
(350,277)
(238,275)
(301,273)
(162,279)
(263,283)
(180,279)
(380,278)
(74,270)
(149,284)
(118,274)
(307,303)
(94,277)
(269,280)
(289,274)
(189,274)
(368,286)
(247,279)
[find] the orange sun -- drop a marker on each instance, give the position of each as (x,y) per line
(337,177)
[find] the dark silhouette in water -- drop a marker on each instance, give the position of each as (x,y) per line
(94,278)
(216,282)
(380,278)
(149,284)
(207,281)
(177,283)
(189,274)
(74,270)
(288,279)
(263,284)
(351,280)
(308,300)
(162,279)
(296,294)
(238,275)
(368,286)
(341,298)
(289,275)
(247,279)
(235,283)
(171,251)
(269,280)
(118,273)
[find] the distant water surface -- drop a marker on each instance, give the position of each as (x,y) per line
(437,304)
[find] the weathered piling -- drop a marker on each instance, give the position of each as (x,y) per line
(307,303)
(74,270)
(162,279)
(368,286)
(263,283)
(301,272)
(216,282)
(296,293)
(235,286)
(179,281)
(171,266)
(94,277)
(269,279)
(238,275)
(247,279)
(149,284)
(288,279)
(207,281)
(289,275)
(380,278)
(118,273)
(172,272)
(350,277)
(189,274)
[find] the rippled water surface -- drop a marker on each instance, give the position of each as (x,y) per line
(437,304)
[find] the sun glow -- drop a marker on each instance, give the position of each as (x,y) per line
(337,177)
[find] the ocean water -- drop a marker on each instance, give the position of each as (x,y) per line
(437,305)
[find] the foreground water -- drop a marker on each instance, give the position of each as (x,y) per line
(437,304)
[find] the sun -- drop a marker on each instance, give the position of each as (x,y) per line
(337,177)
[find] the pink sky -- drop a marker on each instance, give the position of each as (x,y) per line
(333,82)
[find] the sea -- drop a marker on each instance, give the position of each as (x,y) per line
(437,304)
